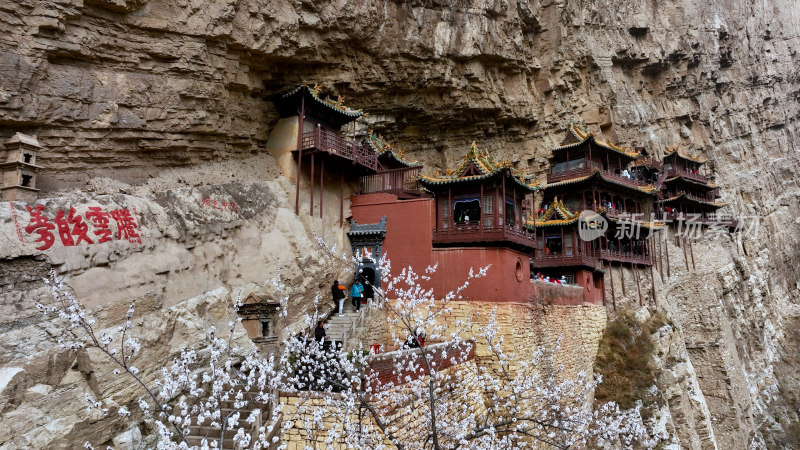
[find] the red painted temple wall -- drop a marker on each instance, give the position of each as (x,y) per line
(408,243)
(500,284)
(409,228)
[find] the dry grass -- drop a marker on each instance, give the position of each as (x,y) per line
(625,360)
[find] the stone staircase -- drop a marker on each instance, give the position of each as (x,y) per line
(349,327)
(213,434)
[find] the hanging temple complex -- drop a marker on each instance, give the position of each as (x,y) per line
(602,206)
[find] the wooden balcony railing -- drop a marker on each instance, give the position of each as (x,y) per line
(586,258)
(589,166)
(555,177)
(475,232)
(705,197)
(629,257)
(329,141)
(707,219)
(404,179)
(687,174)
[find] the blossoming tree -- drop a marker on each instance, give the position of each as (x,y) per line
(418,396)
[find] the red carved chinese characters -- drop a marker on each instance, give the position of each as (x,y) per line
(126,226)
(226,206)
(42,226)
(100,221)
(74,229)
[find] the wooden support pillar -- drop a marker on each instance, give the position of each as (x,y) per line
(691,253)
(480,223)
(660,258)
(503,202)
(622,277)
(685,258)
(321,185)
(341,201)
(653,286)
(450,209)
(666,252)
(311,196)
(496,208)
(613,295)
(299,154)
(635,270)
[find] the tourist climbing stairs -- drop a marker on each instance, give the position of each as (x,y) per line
(349,327)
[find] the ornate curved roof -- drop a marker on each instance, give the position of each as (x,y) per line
(675,152)
(333,110)
(647,189)
(689,180)
(386,153)
(691,199)
(477,165)
(576,136)
(556,214)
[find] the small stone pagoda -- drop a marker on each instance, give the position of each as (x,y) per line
(18,168)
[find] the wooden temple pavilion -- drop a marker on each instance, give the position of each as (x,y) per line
(480,203)
(322,138)
(687,194)
(592,175)
(397,175)
(468,218)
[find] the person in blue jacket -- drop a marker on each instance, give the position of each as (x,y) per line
(356,292)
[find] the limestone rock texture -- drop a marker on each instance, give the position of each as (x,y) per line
(160,103)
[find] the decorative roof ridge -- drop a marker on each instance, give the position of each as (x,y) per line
(385,149)
(675,151)
(584,135)
(687,197)
(484,164)
(337,105)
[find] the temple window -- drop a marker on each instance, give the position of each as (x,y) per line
(27,158)
(26,180)
(510,213)
(467,210)
(488,205)
(553,245)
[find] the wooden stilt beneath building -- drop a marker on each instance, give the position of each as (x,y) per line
(299,156)
(666,252)
(660,259)
(691,253)
(321,185)
(635,271)
(622,278)
(311,197)
(653,286)
(613,295)
(685,258)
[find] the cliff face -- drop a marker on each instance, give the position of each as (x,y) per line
(144,97)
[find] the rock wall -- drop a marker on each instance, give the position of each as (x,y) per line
(141,102)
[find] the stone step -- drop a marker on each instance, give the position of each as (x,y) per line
(197,440)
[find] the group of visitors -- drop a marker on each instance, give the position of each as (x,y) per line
(541,277)
(358,291)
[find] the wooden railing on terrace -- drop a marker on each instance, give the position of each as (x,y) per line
(587,258)
(590,166)
(687,174)
(404,179)
(330,141)
(629,257)
(474,231)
